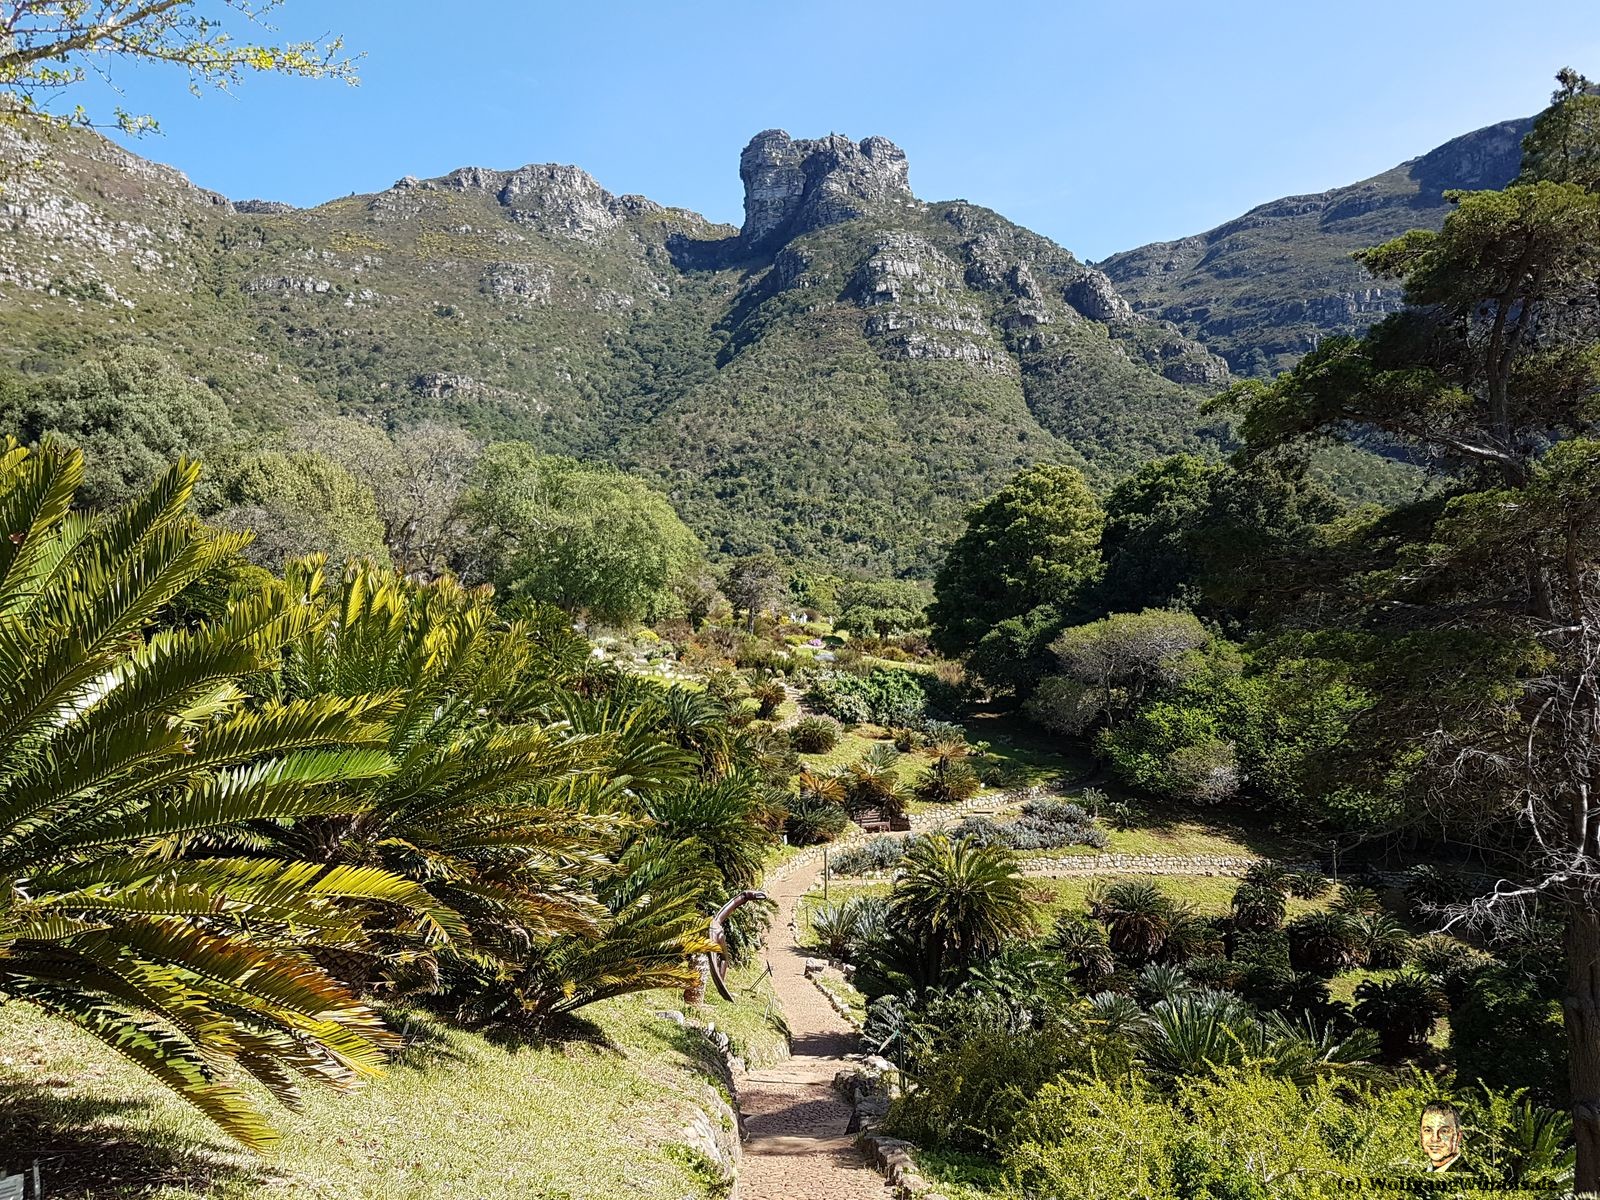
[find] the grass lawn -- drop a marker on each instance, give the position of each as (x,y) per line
(753,1022)
(457,1115)
(854,745)
(1211,895)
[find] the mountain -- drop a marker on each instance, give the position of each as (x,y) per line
(1262,289)
(840,378)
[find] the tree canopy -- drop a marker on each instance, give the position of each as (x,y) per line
(52,47)
(583,537)
(131,412)
(1035,542)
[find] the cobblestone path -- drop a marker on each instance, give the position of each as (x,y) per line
(796,1147)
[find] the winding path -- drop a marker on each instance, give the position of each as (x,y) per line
(796,1147)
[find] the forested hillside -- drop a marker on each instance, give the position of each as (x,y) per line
(840,379)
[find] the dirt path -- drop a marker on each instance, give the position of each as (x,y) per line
(796,1146)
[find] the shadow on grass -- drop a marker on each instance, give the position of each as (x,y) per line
(85,1151)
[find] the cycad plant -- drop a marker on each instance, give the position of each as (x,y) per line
(123,748)
(497,814)
(959,901)
(1138,918)
(1401,1010)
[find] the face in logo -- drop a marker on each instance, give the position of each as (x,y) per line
(1440,1135)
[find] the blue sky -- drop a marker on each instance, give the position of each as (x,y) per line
(1101,125)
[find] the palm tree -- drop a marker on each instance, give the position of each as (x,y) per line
(1401,1010)
(960,901)
(498,814)
(729,820)
(1269,873)
(1200,1032)
(1137,916)
(1118,1015)
(1083,944)
(655,923)
(1354,899)
(120,749)
(1161,981)
(769,696)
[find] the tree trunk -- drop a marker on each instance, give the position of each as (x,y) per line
(1582,1012)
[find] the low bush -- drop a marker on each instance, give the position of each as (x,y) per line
(814,735)
(874,854)
(810,819)
(883,696)
(948,781)
(1043,825)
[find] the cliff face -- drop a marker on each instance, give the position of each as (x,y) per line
(1263,289)
(793,187)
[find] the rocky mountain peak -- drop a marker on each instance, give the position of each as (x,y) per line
(793,186)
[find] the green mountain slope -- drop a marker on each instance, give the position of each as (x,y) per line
(1262,289)
(841,377)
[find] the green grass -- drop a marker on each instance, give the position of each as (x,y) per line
(457,1115)
(754,1021)
(1211,895)
(958,1176)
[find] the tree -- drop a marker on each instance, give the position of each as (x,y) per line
(295,504)
(1564,144)
(1126,655)
(417,477)
(1151,517)
(1138,918)
(121,745)
(882,607)
(51,47)
(1484,608)
(586,538)
(131,412)
(1035,542)
(479,811)
(1184,531)
(753,585)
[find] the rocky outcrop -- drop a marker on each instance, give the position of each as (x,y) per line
(268,207)
(1096,297)
(794,186)
(560,200)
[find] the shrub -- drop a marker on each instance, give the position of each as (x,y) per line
(872,855)
(1063,705)
(885,696)
(1308,883)
(1119,814)
(1257,906)
(811,819)
(814,735)
(1323,943)
(1138,917)
(769,696)
(1268,873)
(1382,943)
(841,928)
(1401,1011)
(948,781)
(943,731)
(1356,900)
(906,739)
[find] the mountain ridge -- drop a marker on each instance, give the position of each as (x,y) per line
(1295,251)
(840,377)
